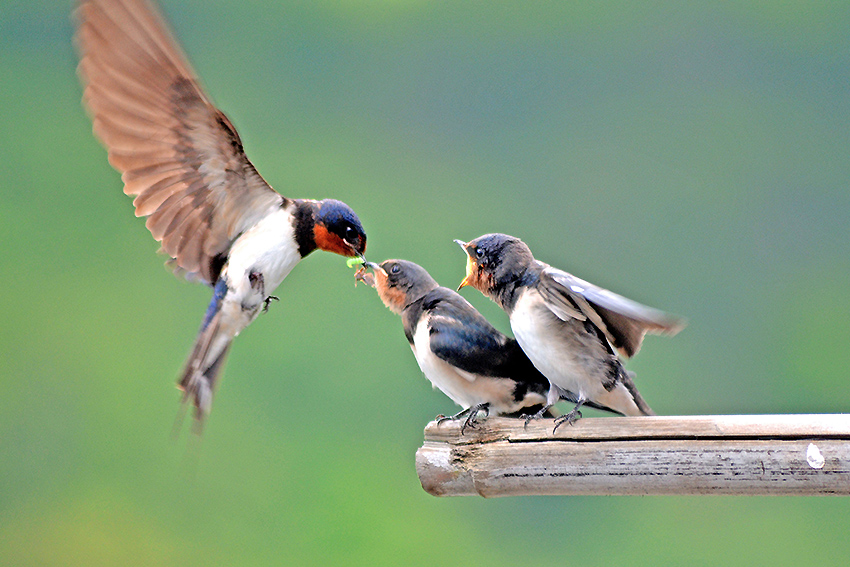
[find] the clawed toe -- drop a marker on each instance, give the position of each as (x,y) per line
(267,301)
(528,418)
(468,415)
(570,418)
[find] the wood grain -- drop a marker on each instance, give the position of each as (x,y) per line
(737,454)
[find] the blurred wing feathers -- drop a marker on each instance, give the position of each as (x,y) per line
(178,154)
(624,322)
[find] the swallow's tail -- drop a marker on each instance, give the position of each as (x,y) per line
(624,397)
(206,361)
(644,408)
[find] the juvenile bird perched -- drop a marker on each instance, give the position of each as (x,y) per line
(215,216)
(568,327)
(457,349)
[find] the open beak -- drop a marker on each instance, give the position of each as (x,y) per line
(470,265)
(374,266)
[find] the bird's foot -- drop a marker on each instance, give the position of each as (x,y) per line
(538,415)
(570,418)
(470,413)
(267,301)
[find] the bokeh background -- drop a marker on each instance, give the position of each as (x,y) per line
(692,156)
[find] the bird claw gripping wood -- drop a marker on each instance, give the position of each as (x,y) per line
(533,416)
(470,414)
(571,418)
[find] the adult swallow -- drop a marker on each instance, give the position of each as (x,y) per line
(456,348)
(569,328)
(215,216)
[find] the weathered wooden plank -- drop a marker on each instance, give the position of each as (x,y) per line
(665,427)
(771,454)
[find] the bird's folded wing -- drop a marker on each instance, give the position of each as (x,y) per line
(624,322)
(464,339)
(178,154)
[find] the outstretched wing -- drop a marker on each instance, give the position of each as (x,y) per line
(178,154)
(624,322)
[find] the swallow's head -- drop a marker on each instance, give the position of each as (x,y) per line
(494,260)
(337,229)
(399,282)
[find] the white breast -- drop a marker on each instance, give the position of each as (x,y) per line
(464,388)
(268,248)
(565,354)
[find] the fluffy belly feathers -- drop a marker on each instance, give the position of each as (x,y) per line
(563,351)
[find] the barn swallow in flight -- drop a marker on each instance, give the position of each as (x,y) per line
(569,328)
(215,216)
(457,349)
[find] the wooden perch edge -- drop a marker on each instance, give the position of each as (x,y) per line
(724,454)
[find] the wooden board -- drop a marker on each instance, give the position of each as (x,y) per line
(736,454)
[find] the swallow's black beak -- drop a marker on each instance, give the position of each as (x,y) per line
(462,244)
(356,253)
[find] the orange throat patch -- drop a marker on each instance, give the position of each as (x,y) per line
(330,242)
(394,298)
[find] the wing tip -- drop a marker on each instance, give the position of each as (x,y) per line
(672,325)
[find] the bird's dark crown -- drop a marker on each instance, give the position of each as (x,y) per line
(405,283)
(337,228)
(500,262)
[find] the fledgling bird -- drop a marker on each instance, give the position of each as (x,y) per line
(568,327)
(456,348)
(215,216)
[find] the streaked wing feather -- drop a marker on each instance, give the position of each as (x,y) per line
(624,322)
(178,154)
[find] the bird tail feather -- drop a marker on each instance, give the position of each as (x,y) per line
(200,375)
(626,378)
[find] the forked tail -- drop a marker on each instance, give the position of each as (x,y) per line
(206,361)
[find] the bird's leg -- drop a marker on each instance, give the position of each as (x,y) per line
(268,300)
(257,282)
(571,417)
(473,413)
(459,415)
(469,413)
(537,415)
(555,395)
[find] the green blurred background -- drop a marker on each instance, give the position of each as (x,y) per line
(691,156)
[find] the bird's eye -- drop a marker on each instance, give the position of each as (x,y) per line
(350,234)
(394,269)
(479,252)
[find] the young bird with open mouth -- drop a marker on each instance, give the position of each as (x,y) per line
(457,349)
(568,327)
(220,222)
